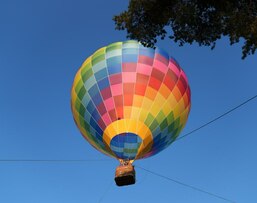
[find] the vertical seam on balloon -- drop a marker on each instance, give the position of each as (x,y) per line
(111,92)
(98,85)
(97,88)
(134,93)
(113,103)
(134,82)
(143,102)
(108,76)
(112,100)
(121,94)
(136,71)
(145,90)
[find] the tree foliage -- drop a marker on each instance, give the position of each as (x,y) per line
(201,21)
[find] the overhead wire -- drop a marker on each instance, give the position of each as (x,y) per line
(105,192)
(217,118)
(154,173)
(186,185)
(53,160)
(179,138)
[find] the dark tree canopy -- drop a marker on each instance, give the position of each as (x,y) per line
(201,21)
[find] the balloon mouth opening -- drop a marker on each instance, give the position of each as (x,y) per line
(125,146)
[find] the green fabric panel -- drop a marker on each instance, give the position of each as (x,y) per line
(87,75)
(81,93)
(98,53)
(160,117)
(126,150)
(153,125)
(164,124)
(114,46)
(86,67)
(77,104)
(78,86)
(170,118)
(82,110)
(149,119)
(97,59)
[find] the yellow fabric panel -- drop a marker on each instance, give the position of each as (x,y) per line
(176,93)
(164,90)
(147,103)
(73,95)
(135,112)
(127,111)
(172,101)
(143,114)
(155,109)
(166,109)
(184,115)
(121,126)
(157,104)
(137,100)
(179,108)
(150,93)
(100,51)
(160,100)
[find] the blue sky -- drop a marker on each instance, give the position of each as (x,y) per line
(42,45)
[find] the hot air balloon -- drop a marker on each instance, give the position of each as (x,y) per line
(130,102)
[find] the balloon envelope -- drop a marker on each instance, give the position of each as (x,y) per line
(130,101)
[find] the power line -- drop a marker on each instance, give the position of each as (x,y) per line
(53,160)
(186,185)
(217,118)
(106,191)
(179,138)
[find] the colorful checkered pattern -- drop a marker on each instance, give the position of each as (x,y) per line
(130,101)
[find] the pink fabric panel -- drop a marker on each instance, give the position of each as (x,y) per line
(144,69)
(160,66)
(109,104)
(129,77)
(116,89)
(174,68)
(106,119)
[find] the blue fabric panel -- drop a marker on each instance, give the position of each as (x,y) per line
(90,107)
(129,51)
(101,74)
(104,83)
(128,58)
(114,65)
(99,66)
(93,90)
(96,115)
(97,99)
